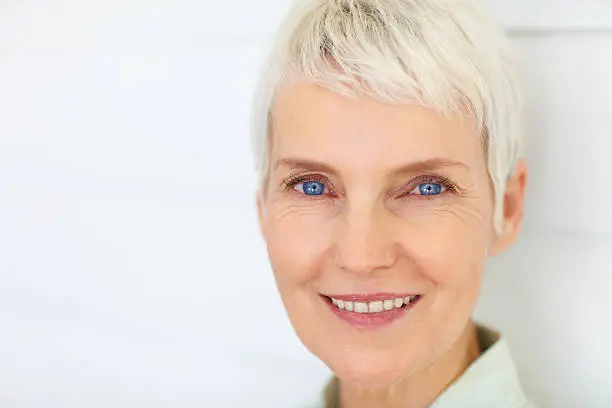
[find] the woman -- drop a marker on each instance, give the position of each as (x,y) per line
(389,148)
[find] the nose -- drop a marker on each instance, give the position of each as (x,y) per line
(365,239)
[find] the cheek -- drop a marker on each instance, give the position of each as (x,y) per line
(296,238)
(448,252)
(296,241)
(449,245)
(457,272)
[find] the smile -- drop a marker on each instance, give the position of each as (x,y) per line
(371,311)
(376,306)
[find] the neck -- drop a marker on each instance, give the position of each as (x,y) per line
(420,389)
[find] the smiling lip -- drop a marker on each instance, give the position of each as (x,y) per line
(370,297)
(370,321)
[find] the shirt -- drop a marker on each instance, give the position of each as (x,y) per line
(491,381)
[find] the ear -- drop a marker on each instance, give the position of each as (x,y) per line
(260,212)
(513,209)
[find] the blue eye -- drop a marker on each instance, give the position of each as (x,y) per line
(311,188)
(430,189)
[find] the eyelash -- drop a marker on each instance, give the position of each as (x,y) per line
(451,187)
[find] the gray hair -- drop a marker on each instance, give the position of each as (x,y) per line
(447,55)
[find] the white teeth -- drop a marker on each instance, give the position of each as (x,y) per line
(360,307)
(375,307)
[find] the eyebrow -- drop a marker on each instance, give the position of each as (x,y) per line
(435,163)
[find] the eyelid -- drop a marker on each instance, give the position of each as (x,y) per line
(438,179)
(295,179)
(408,188)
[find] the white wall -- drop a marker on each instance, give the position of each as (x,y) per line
(131,270)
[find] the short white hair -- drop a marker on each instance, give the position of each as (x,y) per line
(448,55)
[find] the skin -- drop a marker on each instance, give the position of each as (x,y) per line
(373,231)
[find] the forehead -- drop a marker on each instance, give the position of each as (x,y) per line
(312,122)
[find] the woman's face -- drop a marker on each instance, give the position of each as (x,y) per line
(369,203)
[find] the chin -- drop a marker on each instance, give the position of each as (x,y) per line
(368,369)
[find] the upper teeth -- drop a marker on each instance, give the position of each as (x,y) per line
(372,307)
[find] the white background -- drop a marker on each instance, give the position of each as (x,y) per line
(131,269)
